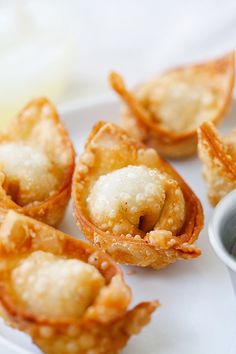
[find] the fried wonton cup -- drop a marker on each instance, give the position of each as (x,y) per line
(67,295)
(164,113)
(133,204)
(218,155)
(36,163)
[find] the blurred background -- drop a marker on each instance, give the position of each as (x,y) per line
(65,49)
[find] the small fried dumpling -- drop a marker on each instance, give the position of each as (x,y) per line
(164,113)
(218,155)
(36,163)
(67,295)
(133,204)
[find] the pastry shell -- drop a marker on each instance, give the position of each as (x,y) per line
(105,326)
(109,148)
(140,122)
(38,124)
(219,166)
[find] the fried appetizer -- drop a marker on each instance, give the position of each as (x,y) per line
(36,163)
(131,203)
(164,113)
(67,295)
(218,155)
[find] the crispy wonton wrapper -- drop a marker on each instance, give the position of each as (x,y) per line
(107,149)
(38,126)
(106,324)
(165,112)
(218,155)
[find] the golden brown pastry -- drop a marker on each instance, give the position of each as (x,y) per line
(133,204)
(67,295)
(164,113)
(218,155)
(36,163)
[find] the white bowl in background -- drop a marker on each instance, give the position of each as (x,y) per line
(222,232)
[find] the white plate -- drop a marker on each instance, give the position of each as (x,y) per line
(198,314)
